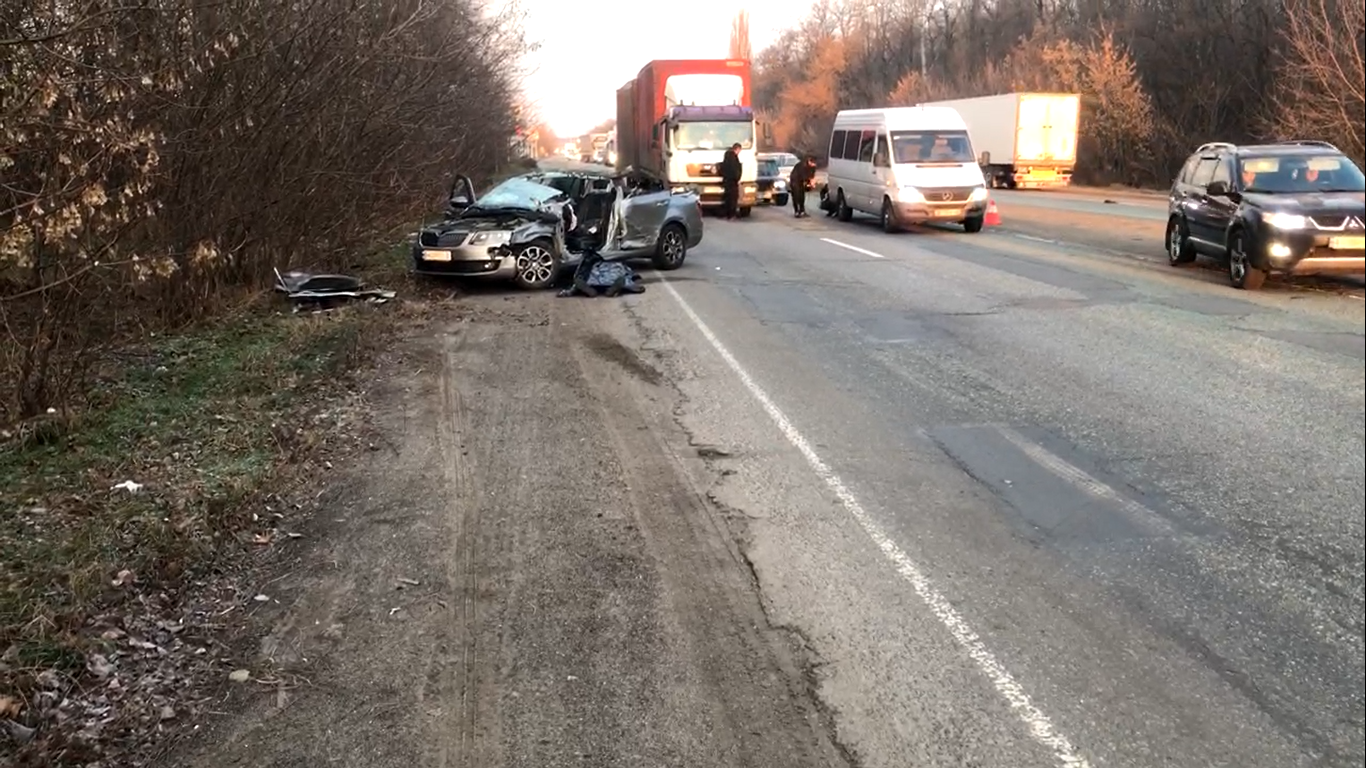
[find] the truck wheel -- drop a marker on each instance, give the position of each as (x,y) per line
(845,212)
(1241,272)
(745,212)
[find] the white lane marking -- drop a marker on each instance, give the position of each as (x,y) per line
(1039,725)
(1037,239)
(1088,484)
(854,248)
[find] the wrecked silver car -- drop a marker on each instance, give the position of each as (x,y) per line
(532,227)
(515,231)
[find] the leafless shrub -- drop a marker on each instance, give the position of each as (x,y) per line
(1321,92)
(158,157)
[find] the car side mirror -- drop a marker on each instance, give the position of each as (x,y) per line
(1218,189)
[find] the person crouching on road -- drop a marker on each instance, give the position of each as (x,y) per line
(731,171)
(799,182)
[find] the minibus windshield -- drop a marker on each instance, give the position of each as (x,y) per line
(931,147)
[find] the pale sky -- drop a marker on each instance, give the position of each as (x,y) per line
(590,49)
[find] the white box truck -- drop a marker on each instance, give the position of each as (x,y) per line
(1023,140)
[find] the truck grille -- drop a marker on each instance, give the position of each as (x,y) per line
(947,194)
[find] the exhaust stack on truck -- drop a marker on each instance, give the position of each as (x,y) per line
(1023,140)
(677,118)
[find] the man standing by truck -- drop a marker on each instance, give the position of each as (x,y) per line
(731,171)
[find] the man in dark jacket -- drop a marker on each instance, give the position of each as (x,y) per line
(731,171)
(799,182)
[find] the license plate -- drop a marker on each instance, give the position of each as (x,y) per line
(436,255)
(712,191)
(1043,174)
(1347,243)
(945,214)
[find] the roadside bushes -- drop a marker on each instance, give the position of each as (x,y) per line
(158,159)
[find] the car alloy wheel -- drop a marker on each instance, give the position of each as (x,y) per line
(672,249)
(535,265)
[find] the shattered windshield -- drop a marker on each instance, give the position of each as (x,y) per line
(519,193)
(713,135)
(931,147)
(1298,174)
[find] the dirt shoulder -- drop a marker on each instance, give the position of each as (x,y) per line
(524,572)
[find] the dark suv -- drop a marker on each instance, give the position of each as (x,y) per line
(1291,208)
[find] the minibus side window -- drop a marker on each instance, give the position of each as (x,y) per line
(837,145)
(866,144)
(881,156)
(851,145)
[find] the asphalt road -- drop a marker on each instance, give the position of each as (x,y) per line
(1031,505)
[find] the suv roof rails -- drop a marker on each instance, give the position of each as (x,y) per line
(1216,145)
(1308,143)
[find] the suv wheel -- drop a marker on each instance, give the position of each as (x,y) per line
(1241,271)
(1179,248)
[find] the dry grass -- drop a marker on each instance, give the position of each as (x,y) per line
(202,421)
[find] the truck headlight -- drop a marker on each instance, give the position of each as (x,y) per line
(978,195)
(1284,220)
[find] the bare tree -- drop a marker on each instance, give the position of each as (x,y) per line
(739,37)
(1130,59)
(1321,93)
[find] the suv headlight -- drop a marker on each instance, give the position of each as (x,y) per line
(780,185)
(1284,220)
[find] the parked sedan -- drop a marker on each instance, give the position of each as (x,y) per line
(532,227)
(771,182)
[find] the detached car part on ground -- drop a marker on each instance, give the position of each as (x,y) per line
(535,226)
(1295,208)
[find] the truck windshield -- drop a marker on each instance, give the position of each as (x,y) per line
(713,135)
(931,147)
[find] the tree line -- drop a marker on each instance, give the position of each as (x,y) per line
(1157,77)
(160,158)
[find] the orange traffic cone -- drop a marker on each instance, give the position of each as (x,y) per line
(993,217)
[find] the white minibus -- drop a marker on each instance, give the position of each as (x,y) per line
(906,165)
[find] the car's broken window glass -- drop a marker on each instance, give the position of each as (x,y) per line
(519,193)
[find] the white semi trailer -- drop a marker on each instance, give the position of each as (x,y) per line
(1023,140)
